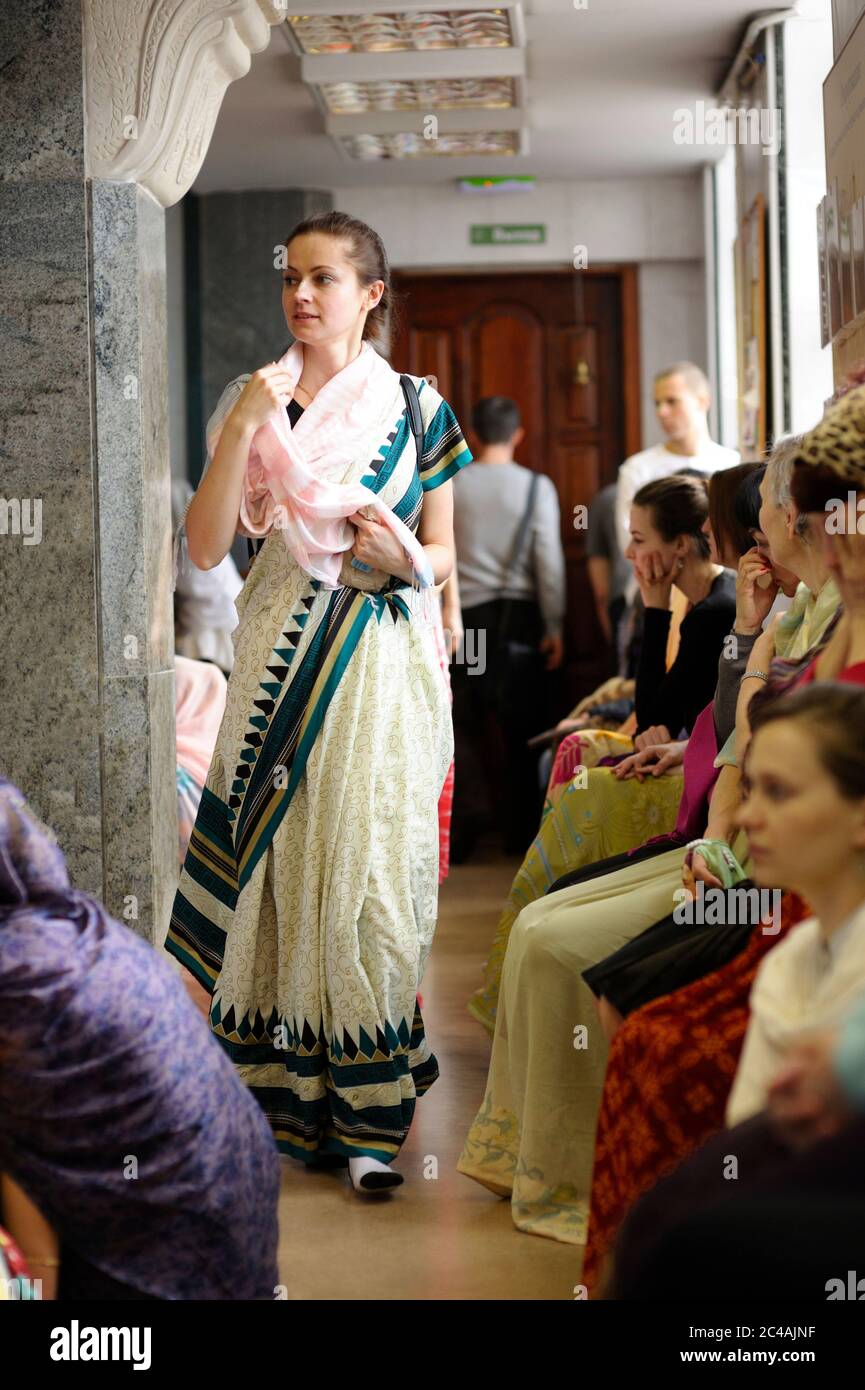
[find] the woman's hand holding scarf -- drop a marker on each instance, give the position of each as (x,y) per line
(375,545)
(695,870)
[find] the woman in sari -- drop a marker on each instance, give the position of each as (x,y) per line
(307,903)
(533,1138)
(592,816)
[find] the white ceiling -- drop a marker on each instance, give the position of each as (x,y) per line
(602,84)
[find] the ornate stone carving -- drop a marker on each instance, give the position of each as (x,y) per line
(155,76)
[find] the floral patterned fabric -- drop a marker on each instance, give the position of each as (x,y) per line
(670,1070)
(120,1116)
(446,799)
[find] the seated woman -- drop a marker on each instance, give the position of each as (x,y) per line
(135,1164)
(667,957)
(805,820)
(594,816)
(804,816)
(670,1095)
(533,1137)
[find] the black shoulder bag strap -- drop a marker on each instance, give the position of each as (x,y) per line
(516,555)
(409,390)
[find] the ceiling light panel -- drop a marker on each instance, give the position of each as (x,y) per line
(411,146)
(402,31)
(352,98)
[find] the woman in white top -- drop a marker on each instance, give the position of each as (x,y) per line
(805,819)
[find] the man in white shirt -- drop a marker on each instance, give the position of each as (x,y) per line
(682,400)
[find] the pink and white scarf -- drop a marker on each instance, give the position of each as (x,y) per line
(294,474)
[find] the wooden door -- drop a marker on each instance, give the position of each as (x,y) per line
(562,344)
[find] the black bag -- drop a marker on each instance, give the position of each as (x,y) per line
(513,664)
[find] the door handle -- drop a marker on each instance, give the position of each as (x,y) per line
(582,375)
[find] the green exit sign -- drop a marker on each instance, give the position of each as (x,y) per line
(502,234)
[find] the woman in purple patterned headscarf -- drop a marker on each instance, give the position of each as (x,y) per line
(122,1121)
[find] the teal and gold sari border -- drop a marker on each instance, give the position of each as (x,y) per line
(291,747)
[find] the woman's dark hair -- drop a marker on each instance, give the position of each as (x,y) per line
(366,253)
(734,506)
(747,502)
(678,507)
(495,418)
(812,487)
(835,713)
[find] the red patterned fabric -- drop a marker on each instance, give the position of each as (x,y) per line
(446,800)
(446,805)
(12,1265)
(569,757)
(669,1073)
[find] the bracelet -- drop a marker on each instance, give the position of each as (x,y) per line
(760,675)
(697,844)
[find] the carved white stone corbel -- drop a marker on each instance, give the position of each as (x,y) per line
(154,78)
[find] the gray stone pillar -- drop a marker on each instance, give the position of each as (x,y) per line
(87,711)
(136,631)
(86,641)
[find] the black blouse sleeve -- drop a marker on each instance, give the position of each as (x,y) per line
(677,696)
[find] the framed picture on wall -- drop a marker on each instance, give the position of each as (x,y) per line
(833,259)
(751,329)
(857,254)
(845,257)
(845,16)
(751,397)
(825,332)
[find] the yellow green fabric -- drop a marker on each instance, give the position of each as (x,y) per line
(590,818)
(533,1137)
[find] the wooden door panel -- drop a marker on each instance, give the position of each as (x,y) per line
(431,353)
(556,343)
(503,355)
(577,473)
(577,351)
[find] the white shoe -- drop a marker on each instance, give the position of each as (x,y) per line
(368,1175)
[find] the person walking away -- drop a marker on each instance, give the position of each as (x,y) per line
(511,572)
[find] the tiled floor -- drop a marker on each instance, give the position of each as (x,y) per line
(435,1238)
